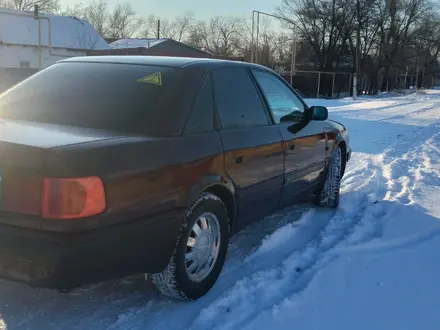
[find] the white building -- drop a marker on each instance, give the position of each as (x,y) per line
(31,43)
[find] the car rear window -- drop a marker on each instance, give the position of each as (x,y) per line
(108,96)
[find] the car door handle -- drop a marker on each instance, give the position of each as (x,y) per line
(238,159)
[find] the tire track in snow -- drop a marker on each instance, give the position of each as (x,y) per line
(415,167)
(398,176)
(392,244)
(268,287)
(367,244)
(429,155)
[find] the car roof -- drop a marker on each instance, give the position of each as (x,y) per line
(162,61)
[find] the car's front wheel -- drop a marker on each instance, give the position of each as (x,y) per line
(200,251)
(328,196)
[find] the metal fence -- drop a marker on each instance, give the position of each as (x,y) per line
(321,84)
(410,80)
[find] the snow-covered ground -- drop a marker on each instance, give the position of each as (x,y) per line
(371,264)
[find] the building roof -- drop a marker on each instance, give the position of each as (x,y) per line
(136,43)
(21,28)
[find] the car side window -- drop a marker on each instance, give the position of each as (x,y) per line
(201,119)
(239,104)
(281,100)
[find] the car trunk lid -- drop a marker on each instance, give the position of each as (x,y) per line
(41,135)
(28,154)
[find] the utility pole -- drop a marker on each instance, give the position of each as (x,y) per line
(158,29)
(293,61)
(37,17)
(252,38)
(258,36)
(358,41)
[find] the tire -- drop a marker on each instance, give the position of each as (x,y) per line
(328,196)
(179,280)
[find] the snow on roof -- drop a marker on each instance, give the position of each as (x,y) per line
(20,27)
(136,43)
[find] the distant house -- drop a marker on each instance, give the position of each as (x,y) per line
(110,39)
(28,44)
(152,47)
(67,37)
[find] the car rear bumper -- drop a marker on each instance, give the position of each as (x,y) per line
(65,261)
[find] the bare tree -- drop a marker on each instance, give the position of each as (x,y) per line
(324,24)
(76,10)
(397,25)
(220,36)
(427,37)
(394,34)
(123,21)
(96,13)
(177,29)
(282,45)
(47,6)
(150,28)
(268,45)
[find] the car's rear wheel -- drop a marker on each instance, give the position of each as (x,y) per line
(200,251)
(328,196)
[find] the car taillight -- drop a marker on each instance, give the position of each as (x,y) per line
(54,198)
(72,198)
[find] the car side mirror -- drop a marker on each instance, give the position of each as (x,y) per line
(319,113)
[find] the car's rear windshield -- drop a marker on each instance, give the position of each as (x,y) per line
(108,96)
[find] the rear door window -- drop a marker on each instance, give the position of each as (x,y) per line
(239,104)
(108,96)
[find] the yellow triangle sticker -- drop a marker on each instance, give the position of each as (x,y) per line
(154,78)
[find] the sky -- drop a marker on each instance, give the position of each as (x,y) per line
(203,9)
